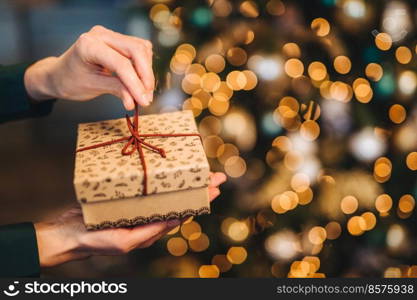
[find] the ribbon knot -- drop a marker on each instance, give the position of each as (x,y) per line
(136,142)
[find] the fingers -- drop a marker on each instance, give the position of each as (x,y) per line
(97,52)
(144,233)
(151,241)
(138,50)
(112,85)
(213,193)
(217,179)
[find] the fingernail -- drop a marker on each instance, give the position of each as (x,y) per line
(220,176)
(174,223)
(148,97)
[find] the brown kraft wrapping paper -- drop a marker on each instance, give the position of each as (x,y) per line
(110,187)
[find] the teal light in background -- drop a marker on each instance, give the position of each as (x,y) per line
(329,2)
(202,17)
(386,86)
(269,126)
(371,54)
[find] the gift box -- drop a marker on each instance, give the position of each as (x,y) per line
(138,170)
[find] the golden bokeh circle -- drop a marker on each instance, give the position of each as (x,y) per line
(305,196)
(291,50)
(403,55)
(333,230)
(236,255)
(225,151)
(383,203)
(314,263)
(275,7)
(337,90)
(356,225)
(320,26)
(370,220)
(191,230)
(383,41)
(235,166)
(288,107)
(211,143)
(299,269)
(251,80)
(349,204)
(210,125)
(412,161)
(294,67)
(397,113)
(200,243)
(288,200)
(317,71)
(208,271)
(276,205)
(177,246)
(215,63)
(293,160)
(300,182)
(210,82)
(221,261)
(236,80)
(223,93)
(238,231)
(310,130)
(283,143)
(203,96)
(236,56)
(190,83)
(374,71)
(317,235)
(196,69)
(406,204)
(249,9)
(217,106)
(193,104)
(342,64)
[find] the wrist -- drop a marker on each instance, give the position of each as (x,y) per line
(55,245)
(39,79)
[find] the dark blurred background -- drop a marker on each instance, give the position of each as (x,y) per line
(308,106)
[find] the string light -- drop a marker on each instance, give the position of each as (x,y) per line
(320,26)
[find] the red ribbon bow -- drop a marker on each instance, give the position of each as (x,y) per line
(136,141)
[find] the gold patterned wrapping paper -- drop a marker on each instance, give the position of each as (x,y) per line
(104,174)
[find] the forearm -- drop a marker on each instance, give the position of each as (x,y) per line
(39,80)
(55,246)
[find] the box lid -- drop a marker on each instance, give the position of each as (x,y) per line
(105,173)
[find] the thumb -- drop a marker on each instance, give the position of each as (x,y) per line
(112,85)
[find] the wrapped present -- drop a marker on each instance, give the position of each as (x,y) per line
(134,171)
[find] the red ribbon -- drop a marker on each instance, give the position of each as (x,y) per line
(135,142)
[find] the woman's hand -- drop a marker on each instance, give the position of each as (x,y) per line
(100,62)
(65,238)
